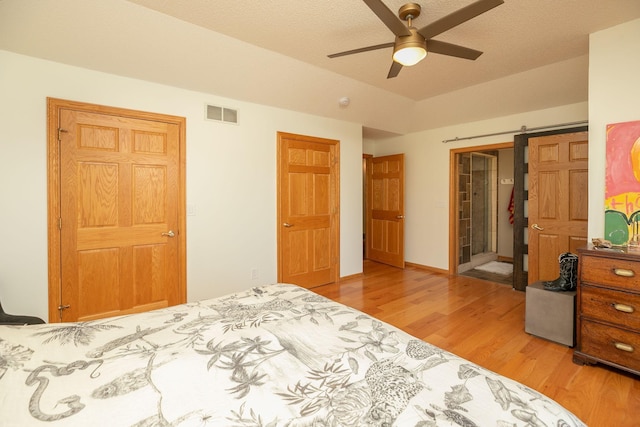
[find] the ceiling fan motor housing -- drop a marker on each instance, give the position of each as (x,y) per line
(409,11)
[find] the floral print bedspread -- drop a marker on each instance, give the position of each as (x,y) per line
(276,355)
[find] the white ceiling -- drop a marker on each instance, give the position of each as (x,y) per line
(274,52)
(516,36)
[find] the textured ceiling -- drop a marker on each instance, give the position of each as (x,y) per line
(274,52)
(516,36)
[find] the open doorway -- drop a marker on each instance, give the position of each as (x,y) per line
(482,188)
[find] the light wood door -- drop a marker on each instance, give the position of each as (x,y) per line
(121,241)
(385,210)
(308,210)
(558,200)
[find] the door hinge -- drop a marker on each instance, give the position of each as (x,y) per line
(61,308)
(60,130)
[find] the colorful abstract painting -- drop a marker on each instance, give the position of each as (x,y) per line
(622,182)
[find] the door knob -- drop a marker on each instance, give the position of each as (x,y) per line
(286,224)
(537,227)
(170,233)
(399,216)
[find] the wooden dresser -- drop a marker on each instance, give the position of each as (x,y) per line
(608,309)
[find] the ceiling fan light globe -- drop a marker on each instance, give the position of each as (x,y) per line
(410,55)
(411,49)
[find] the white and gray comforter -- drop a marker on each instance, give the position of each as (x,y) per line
(277,355)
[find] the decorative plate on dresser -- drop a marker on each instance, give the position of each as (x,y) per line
(608,308)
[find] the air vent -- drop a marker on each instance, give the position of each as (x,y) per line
(222,114)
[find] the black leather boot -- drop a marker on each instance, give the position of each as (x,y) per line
(568,280)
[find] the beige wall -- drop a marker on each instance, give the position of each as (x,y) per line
(231,178)
(505,228)
(614,96)
(427,175)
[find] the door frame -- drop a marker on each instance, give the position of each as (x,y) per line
(454,229)
(54,106)
(366,166)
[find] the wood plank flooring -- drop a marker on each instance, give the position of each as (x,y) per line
(484,322)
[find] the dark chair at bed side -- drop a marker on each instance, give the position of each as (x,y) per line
(10,319)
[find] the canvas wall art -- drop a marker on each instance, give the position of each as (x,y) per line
(622,182)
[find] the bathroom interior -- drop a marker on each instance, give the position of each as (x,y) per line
(485,232)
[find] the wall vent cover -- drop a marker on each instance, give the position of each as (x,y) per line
(221,114)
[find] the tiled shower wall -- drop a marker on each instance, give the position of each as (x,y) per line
(464,210)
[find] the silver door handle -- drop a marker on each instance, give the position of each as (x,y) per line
(400,217)
(170,233)
(537,227)
(286,224)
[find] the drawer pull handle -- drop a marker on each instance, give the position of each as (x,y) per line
(623,307)
(624,347)
(623,272)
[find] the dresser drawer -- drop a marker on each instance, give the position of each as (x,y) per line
(620,273)
(608,305)
(611,344)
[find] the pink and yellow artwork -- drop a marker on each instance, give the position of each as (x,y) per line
(622,182)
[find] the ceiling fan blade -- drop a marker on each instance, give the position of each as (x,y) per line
(394,70)
(444,48)
(362,49)
(458,17)
(387,17)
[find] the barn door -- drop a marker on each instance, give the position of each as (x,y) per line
(526,244)
(558,200)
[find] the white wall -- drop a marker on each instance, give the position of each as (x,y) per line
(231,178)
(505,228)
(427,174)
(614,97)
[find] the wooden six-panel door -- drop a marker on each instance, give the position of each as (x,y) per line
(558,200)
(385,210)
(308,210)
(121,218)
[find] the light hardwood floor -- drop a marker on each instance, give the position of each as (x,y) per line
(483,322)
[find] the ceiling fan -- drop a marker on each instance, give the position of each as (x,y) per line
(411,45)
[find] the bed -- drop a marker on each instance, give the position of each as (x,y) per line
(277,355)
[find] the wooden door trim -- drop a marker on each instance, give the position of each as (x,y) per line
(54,106)
(366,203)
(335,174)
(454,229)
